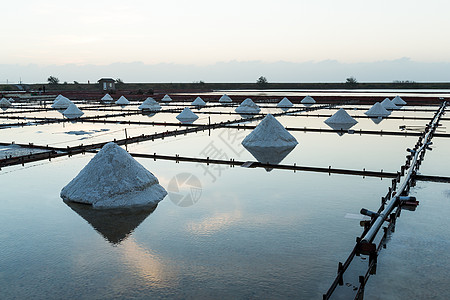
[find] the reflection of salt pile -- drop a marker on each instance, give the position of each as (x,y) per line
(269,142)
(198,102)
(150,104)
(166,98)
(285,103)
(341,120)
(248,107)
(398,101)
(72,112)
(107,98)
(61,103)
(308,100)
(122,101)
(5,103)
(225,99)
(386,103)
(114,179)
(377,110)
(187,116)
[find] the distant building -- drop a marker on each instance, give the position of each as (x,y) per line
(107,84)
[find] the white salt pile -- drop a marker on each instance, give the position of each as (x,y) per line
(59,97)
(11,100)
(114,179)
(398,101)
(377,110)
(285,103)
(122,101)
(72,112)
(387,103)
(166,98)
(5,103)
(198,102)
(150,104)
(107,98)
(247,107)
(62,103)
(308,100)
(187,116)
(341,117)
(225,99)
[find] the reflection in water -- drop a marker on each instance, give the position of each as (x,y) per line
(269,155)
(114,224)
(377,120)
(340,128)
(148,113)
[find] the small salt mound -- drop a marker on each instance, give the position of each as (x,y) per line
(308,100)
(198,102)
(269,133)
(187,116)
(247,106)
(122,101)
(388,104)
(5,103)
(285,103)
(377,110)
(225,99)
(62,104)
(150,104)
(73,112)
(114,179)
(11,100)
(398,101)
(107,98)
(166,98)
(341,117)
(59,97)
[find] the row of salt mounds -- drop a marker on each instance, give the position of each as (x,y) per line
(225,99)
(377,110)
(269,142)
(198,102)
(122,101)
(341,120)
(61,103)
(308,100)
(150,104)
(387,103)
(187,116)
(114,179)
(247,107)
(72,112)
(5,103)
(285,103)
(107,98)
(166,98)
(398,101)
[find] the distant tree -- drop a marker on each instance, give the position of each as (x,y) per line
(52,80)
(65,82)
(262,81)
(119,81)
(351,81)
(75,82)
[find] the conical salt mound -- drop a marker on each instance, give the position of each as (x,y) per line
(377,110)
(114,179)
(187,116)
(247,106)
(388,104)
(11,100)
(73,112)
(122,101)
(198,102)
(166,98)
(5,103)
(150,104)
(107,98)
(59,97)
(225,99)
(269,133)
(398,101)
(62,103)
(285,103)
(308,100)
(341,117)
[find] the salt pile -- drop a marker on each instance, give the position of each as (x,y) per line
(62,103)
(59,97)
(388,104)
(225,99)
(122,101)
(377,110)
(5,103)
(398,101)
(247,107)
(166,98)
(72,112)
(308,100)
(341,117)
(114,179)
(150,104)
(285,103)
(198,102)
(187,116)
(107,98)
(11,100)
